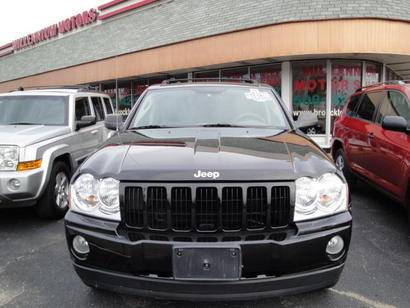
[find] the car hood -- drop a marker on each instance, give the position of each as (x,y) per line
(24,135)
(236,154)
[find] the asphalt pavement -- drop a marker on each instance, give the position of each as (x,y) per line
(36,271)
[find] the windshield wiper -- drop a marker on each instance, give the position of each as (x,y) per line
(149,127)
(219,125)
(23,123)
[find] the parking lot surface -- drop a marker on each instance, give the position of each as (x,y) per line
(36,271)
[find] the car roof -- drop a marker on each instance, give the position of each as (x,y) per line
(52,92)
(185,84)
(403,85)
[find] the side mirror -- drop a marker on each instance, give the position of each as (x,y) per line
(395,123)
(113,121)
(85,121)
(306,119)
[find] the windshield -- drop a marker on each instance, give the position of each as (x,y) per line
(33,110)
(209,106)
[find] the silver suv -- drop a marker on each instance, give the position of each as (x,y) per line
(44,136)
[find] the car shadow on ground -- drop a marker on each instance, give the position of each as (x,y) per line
(20,218)
(382,210)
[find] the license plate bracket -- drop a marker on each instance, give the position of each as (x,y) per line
(207,263)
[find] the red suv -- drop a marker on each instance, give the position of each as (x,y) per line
(372,139)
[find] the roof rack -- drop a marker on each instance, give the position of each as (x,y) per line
(387,82)
(222,79)
(65,87)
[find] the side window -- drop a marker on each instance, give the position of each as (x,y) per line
(98,108)
(352,106)
(108,106)
(369,105)
(82,108)
(400,104)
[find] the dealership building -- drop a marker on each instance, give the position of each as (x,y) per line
(315,53)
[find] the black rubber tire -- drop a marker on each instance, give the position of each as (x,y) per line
(350,177)
(46,206)
(407,205)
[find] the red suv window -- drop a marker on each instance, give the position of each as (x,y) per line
(369,105)
(352,106)
(394,104)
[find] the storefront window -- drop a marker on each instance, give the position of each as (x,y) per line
(207,74)
(346,79)
(124,97)
(269,74)
(309,92)
(235,73)
(180,76)
(373,73)
(110,90)
(140,86)
(391,75)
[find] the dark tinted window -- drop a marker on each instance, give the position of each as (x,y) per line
(394,104)
(82,108)
(108,106)
(352,106)
(98,108)
(369,105)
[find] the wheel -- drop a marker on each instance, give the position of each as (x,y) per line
(407,205)
(341,164)
(54,202)
(311,131)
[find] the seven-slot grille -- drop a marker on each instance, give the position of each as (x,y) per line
(206,208)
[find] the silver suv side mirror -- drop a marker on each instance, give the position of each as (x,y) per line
(113,121)
(85,121)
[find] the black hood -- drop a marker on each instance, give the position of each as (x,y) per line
(237,154)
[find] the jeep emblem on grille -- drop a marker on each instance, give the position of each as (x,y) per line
(206,174)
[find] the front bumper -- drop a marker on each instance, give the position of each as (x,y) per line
(296,264)
(28,192)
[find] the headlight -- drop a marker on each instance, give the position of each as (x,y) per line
(318,197)
(96,197)
(109,196)
(9,158)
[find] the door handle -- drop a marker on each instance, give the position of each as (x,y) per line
(94,132)
(370,135)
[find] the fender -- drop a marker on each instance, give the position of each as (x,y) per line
(48,159)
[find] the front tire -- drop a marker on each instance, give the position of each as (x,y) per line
(54,202)
(342,165)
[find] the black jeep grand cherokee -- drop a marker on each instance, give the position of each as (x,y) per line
(209,192)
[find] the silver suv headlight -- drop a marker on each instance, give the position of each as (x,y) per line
(9,158)
(100,198)
(318,197)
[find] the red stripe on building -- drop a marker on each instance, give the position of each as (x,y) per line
(110,4)
(6,53)
(126,9)
(6,46)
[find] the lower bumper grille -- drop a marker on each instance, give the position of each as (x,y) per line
(206,207)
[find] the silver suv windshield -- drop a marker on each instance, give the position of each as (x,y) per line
(212,106)
(33,110)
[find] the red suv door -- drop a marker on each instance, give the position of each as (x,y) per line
(392,148)
(361,150)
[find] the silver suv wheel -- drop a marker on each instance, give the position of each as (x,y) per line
(61,190)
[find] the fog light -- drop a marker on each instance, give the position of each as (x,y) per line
(14,184)
(335,245)
(80,245)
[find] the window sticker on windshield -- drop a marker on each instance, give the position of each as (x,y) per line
(258,96)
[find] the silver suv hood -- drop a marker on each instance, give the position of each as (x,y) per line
(24,135)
